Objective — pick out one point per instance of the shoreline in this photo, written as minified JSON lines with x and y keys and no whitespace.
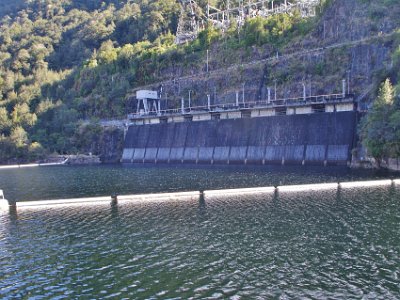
{"x":57,"y":161}
{"x":392,"y":165}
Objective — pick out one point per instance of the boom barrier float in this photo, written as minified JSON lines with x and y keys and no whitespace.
{"x":164,"y":197}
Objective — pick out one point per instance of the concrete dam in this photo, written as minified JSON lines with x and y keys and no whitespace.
{"x":323,"y":137}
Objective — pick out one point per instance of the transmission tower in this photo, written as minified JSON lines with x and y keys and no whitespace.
{"x":191,"y":20}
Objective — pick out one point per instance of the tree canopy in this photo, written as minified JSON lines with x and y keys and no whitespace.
{"x":51,"y":53}
{"x":380,"y":129}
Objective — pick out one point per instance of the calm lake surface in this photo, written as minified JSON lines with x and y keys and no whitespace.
{"x":332,"y":244}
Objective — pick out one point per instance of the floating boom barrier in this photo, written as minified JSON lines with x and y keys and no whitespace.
{"x":162,"y":197}
{"x":101,"y":200}
{"x":33,"y":165}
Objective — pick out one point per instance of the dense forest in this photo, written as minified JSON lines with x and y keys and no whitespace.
{"x":47,"y":55}
{"x":65,"y":64}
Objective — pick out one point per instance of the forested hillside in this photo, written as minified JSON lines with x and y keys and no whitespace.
{"x":64,"y":64}
{"x":46,"y":47}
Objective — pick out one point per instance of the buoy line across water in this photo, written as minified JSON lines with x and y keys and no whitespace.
{"x":160,"y":197}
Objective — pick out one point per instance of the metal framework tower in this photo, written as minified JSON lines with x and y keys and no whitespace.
{"x":262,"y":8}
{"x":190,"y":22}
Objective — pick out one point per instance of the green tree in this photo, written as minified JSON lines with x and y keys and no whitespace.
{"x":21,"y":61}
{"x":208,"y":36}
{"x":254,"y":31}
{"x":394,"y":141}
{"x":36,"y":151}
{"x":376,"y":131}
{"x":21,"y":115}
{"x":19,"y":137}
{"x":44,"y":106}
{"x":107,"y":53}
{"x":5,"y":122}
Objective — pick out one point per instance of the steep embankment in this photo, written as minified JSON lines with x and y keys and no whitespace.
{"x":352,"y":40}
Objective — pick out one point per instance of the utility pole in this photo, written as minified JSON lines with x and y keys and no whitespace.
{"x":190,"y":105}
{"x":243,"y":93}
{"x":207,"y":60}
{"x":344,"y":88}
{"x":348,"y":82}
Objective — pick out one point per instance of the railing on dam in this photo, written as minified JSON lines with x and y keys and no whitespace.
{"x":248,"y":105}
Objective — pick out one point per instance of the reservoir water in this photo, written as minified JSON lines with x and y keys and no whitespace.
{"x":330,"y":244}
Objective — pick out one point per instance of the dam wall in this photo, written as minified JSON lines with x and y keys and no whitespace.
{"x":318,"y":138}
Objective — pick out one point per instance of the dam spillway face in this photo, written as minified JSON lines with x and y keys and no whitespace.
{"x":324,"y":138}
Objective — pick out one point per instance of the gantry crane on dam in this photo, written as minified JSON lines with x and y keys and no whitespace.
{"x":192,"y":19}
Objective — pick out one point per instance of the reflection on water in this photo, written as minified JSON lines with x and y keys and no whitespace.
{"x":336,"y":244}
{"x":87,"y":181}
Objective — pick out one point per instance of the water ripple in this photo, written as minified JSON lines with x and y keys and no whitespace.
{"x":310,"y":245}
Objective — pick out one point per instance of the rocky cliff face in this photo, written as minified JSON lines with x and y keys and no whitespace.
{"x":104,"y":143}
{"x":111,"y":145}
{"x":356,"y":19}
{"x":351,"y":41}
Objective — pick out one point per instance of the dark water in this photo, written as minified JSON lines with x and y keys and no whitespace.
{"x":85,"y":181}
{"x":311,"y":245}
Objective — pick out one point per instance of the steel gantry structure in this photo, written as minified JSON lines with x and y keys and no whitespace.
{"x":192,"y":20}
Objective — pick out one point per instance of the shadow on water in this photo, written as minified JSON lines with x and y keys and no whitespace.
{"x":339,"y":194}
{"x":114,"y":212}
{"x":202,"y":208}
{"x":13,"y":215}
